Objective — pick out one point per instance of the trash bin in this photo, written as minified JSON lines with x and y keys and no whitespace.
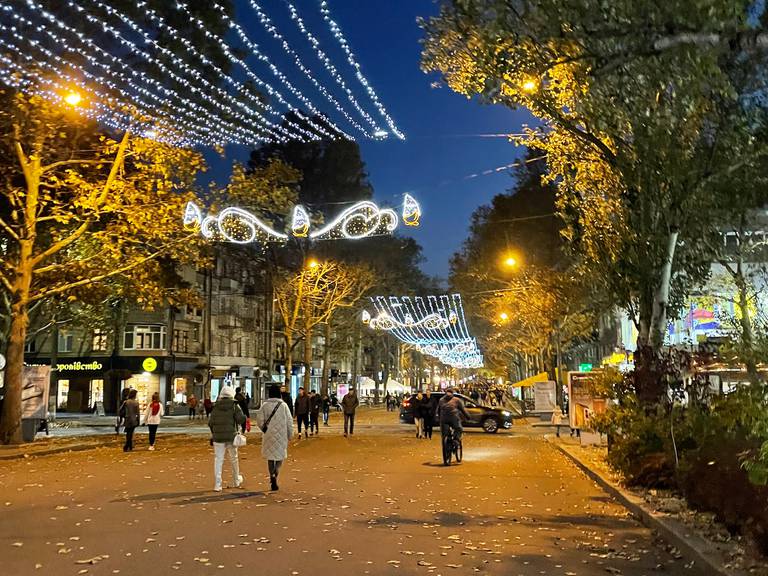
{"x":29,"y":427}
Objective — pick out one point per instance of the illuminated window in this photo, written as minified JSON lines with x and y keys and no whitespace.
{"x":100,"y":341}
{"x":144,"y":337}
{"x":66,"y":342}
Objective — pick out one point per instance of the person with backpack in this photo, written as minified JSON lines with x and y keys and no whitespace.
{"x":152,"y":416}
{"x":130,"y":414}
{"x":225,"y":421}
{"x":276,"y":424}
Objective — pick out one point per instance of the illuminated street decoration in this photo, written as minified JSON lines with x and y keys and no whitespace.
{"x":434,"y":325}
{"x":171,"y":91}
{"x":300,"y":222}
{"x":411,"y":211}
{"x":359,"y":221}
{"x":233,"y":224}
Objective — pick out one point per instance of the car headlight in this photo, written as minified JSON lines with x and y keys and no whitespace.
{"x":506,"y":413}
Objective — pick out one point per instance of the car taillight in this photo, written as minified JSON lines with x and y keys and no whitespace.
{"x":406,"y":403}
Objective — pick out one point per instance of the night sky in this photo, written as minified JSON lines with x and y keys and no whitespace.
{"x":440,"y":153}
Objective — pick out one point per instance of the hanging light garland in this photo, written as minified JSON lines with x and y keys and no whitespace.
{"x":434,"y":325}
{"x":339,"y":35}
{"x":183,"y":101}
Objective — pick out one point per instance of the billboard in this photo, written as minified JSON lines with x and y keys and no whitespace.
{"x":34,"y":394}
{"x":582,"y":406}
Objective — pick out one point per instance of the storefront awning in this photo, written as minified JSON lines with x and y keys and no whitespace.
{"x":530,"y":381}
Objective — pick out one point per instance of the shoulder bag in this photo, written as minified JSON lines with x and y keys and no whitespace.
{"x":266,"y":424}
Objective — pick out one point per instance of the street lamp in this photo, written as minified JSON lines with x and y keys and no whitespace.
{"x":504,"y":316}
{"x":530,"y":85}
{"x":73,"y":98}
{"x":510,"y":262}
{"x":312,"y":264}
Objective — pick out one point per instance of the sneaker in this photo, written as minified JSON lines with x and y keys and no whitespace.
{"x":239,"y":481}
{"x":217,"y":488}
{"x":151,"y":448}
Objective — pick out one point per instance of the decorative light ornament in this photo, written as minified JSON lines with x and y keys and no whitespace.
{"x":73,"y":98}
{"x":411,"y":211}
{"x":233,"y":225}
{"x":366,"y":317}
{"x":361,"y":220}
{"x":193,"y":216}
{"x":300,"y":222}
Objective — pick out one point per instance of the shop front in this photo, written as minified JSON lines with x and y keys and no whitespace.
{"x":80,"y":384}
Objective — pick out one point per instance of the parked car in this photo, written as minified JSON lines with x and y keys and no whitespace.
{"x":485,"y":417}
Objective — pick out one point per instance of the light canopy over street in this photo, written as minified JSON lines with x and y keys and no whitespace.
{"x":450,"y":286}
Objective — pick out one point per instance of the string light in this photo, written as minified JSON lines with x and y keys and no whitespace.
{"x":300,"y":222}
{"x":411,"y":211}
{"x":176,"y":101}
{"x":361,"y":220}
{"x":337,"y":33}
{"x":378,"y":132}
{"x":233,"y":225}
{"x":435,"y":325}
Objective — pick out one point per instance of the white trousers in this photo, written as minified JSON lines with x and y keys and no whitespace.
{"x":219,"y":448}
{"x":419,"y":427}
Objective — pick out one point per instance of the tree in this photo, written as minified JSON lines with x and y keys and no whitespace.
{"x":646,"y":112}
{"x":78,"y":209}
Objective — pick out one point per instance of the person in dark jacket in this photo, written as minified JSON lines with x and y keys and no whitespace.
{"x":314,"y":412}
{"x":285,"y":396}
{"x":120,"y":418}
{"x":130,"y":411}
{"x":226,"y":417}
{"x":450,"y":411}
{"x":326,"y":406}
{"x":242,"y":401}
{"x":349,"y":404}
{"x":429,"y":407}
{"x":301,"y":409}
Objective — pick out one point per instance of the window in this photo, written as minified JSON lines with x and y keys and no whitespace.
{"x":181,"y":340}
{"x":30,"y":346}
{"x":144,"y":337}
{"x":195,"y":334}
{"x":100,"y":341}
{"x":66,"y":342}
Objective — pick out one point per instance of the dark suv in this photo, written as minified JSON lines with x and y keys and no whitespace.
{"x":485,"y":417}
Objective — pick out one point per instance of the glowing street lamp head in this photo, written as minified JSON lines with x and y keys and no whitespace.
{"x":530,"y":85}
{"x":312,"y":264}
{"x":510,"y":262}
{"x":73,"y":98}
{"x":504,"y":316}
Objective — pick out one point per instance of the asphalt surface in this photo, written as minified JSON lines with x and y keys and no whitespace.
{"x":377,"y":503}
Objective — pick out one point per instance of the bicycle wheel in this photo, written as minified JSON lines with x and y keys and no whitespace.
{"x":458,"y":450}
{"x":447,"y":450}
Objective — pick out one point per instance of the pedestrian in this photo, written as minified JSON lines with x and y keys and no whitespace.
{"x":152,"y":418}
{"x":326,"y":402}
{"x":475,"y":395}
{"x":130,"y":411}
{"x":314,"y":412}
{"x":428,"y":414}
{"x":192,"y":405}
{"x":276,"y":424}
{"x":418,"y":414}
{"x":120,"y":412}
{"x":226,"y":418}
{"x":388,"y":401}
{"x":208,"y":406}
{"x":349,"y":404}
{"x":242,"y":401}
{"x":301,"y":409}
{"x":286,"y":397}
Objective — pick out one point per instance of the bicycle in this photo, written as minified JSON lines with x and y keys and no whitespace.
{"x":452,"y":447}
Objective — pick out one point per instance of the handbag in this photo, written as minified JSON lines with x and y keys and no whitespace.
{"x":266,"y":424}
{"x":239,"y":440}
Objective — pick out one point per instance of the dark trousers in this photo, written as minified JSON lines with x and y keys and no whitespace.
{"x":274,"y":467}
{"x":305,"y":419}
{"x":326,"y":413}
{"x":128,"y":438}
{"x":428,"y":424}
{"x":192,"y":412}
{"x":152,"y":433}
{"x":313,"y":422}
{"x":457,"y":429}
{"x":349,"y":423}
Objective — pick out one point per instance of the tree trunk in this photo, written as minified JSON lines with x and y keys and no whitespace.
{"x":658,"y":326}
{"x":356,"y":356}
{"x":288,"y":357}
{"x":745,"y":321}
{"x":326,"y":359}
{"x":308,"y":358}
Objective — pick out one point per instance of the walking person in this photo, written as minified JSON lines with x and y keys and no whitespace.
{"x":285,"y":396}
{"x":301,"y":409}
{"x":207,"y":406}
{"x":276,"y":424}
{"x":242,"y":401}
{"x":120,"y":412}
{"x":418,"y":414}
{"x":349,"y":404}
{"x":314,"y":412}
{"x":326,"y":405}
{"x":388,"y":401}
{"x":152,"y":416}
{"x":226,"y":418}
{"x":428,"y":413}
{"x":130,"y":410}
{"x":192,"y":405}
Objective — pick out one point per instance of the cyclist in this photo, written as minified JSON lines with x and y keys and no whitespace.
{"x":450,"y":409}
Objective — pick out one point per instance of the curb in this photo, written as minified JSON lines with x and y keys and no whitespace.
{"x":52,"y":450}
{"x":691,"y":545}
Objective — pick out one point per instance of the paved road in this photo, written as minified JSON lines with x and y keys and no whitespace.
{"x":376,"y":503}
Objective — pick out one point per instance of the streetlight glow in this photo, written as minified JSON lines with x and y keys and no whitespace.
{"x":510,"y":262}
{"x":530,"y":85}
{"x":73,"y":98}
{"x":312,"y":264}
{"x":504,"y":316}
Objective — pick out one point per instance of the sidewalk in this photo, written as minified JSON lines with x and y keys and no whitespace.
{"x":720,"y":559}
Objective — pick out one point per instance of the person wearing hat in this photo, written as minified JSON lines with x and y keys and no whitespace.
{"x":224,"y":422}
{"x":450,"y":411}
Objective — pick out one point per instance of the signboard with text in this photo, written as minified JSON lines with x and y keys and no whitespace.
{"x":544,"y":396}
{"x":582,"y":405}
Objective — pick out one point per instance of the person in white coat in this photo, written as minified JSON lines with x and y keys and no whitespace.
{"x":276,"y":424}
{"x":152,"y":418}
